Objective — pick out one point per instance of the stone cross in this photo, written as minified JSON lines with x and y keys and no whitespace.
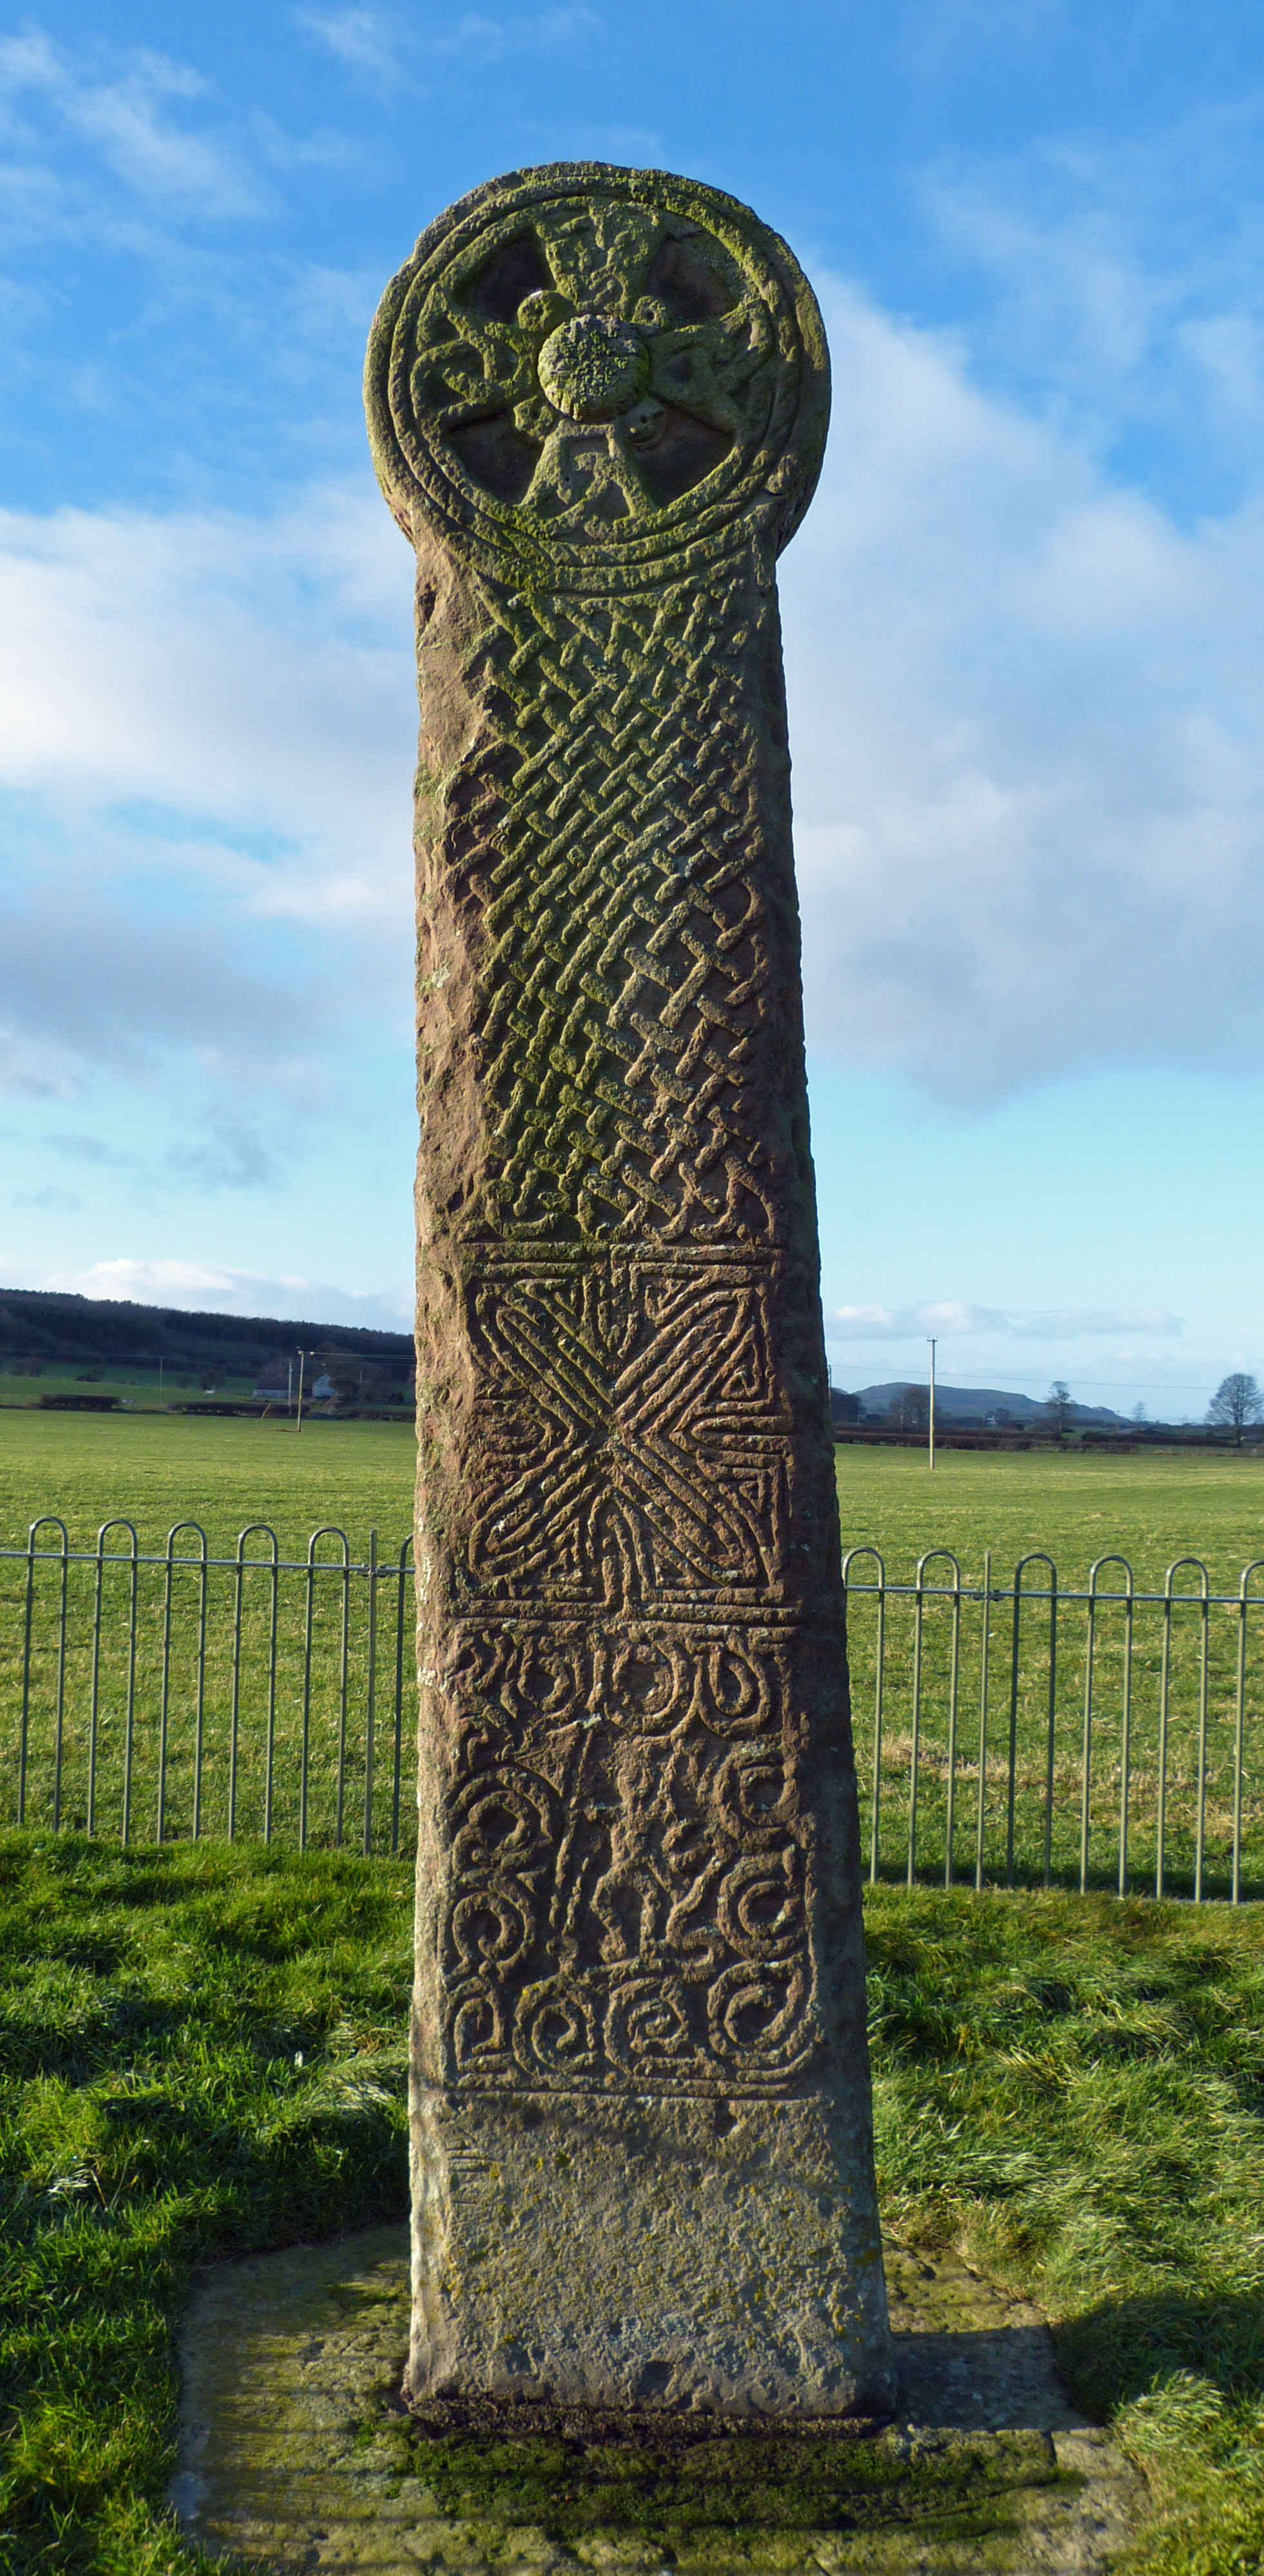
{"x":642,"y":2146}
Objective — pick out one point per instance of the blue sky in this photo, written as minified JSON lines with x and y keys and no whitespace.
{"x":1023,"y":634}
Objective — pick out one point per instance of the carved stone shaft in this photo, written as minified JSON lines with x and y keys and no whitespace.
{"x":641,"y":2120}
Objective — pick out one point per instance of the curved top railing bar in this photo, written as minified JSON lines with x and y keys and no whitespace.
{"x":47,"y":1520}
{"x":335,"y":1565}
{"x":1176,"y":1566}
{"x":123,"y":1556}
{"x":1093,"y":1594}
{"x":177,"y":1531}
{"x":257,"y":1529}
{"x":928,"y":1558}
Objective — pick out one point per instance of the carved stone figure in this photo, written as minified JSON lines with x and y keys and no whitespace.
{"x":641,"y":2121}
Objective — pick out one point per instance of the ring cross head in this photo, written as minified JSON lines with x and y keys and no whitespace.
{"x":583,"y":369}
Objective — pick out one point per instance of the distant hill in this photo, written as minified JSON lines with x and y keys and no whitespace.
{"x":973,"y":1404}
{"x":66,"y":1331}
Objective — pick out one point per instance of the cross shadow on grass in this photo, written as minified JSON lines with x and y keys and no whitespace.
{"x":1120,"y":2350}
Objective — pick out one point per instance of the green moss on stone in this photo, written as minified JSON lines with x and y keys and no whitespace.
{"x":938,"y":2485}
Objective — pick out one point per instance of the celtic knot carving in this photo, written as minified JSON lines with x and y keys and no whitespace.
{"x":632,"y":1020}
{"x":546,"y":1673}
{"x":597,"y":402}
{"x":662,"y":1935}
{"x":635,"y":1442}
{"x":591,"y":367}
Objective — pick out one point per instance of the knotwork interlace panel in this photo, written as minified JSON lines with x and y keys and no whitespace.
{"x":599,"y":417}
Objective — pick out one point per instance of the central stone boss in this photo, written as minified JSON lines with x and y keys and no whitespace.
{"x":642,"y":2150}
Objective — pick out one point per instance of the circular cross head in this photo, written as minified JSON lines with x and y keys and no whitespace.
{"x":593,"y":368}
{"x":584,"y":373}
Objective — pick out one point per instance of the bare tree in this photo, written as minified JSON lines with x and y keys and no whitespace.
{"x":1058,"y":1405}
{"x":354,"y":1380}
{"x":1236,"y":1402}
{"x":909,"y":1410}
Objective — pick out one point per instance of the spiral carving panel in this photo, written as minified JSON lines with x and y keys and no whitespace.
{"x":597,"y":402}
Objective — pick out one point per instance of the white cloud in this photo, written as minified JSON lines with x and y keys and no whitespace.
{"x":960,"y":1321}
{"x":490,"y":39}
{"x":1124,"y":275}
{"x":206,"y":736}
{"x":120,"y":106}
{"x":382,"y":51}
{"x":196,"y":1287}
{"x":1029,"y":768}
{"x":365,"y":40}
{"x":1029,"y":774}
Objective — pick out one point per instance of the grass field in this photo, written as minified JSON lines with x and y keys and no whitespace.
{"x":156,"y":1470}
{"x":1153,"y":1506}
{"x":202,"y":2052}
{"x":131,"y":1384}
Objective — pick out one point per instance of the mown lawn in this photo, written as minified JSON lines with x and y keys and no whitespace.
{"x":201,"y":2052}
{"x":159,"y":1468}
{"x":1152,"y":1505}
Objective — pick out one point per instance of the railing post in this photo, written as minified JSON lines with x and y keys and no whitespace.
{"x":1239,"y":1723}
{"x":1035,"y":1556}
{"x":314,"y":1567}
{"x":47,"y":1520}
{"x":1165,"y":1688}
{"x":60,"y":1720}
{"x":929,"y":1558}
{"x":399,"y":1698}
{"x":95,"y":1699}
{"x":1125,"y":1745}
{"x":371,"y":1695}
{"x":165,"y":1700}
{"x":879,"y":1662}
{"x":917,"y":1725}
{"x":983,"y":1720}
{"x":950,"y":1823}
{"x":1086,"y":1757}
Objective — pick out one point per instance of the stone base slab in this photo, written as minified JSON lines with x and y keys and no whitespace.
{"x":295,"y":2453}
{"x":699,"y":2256}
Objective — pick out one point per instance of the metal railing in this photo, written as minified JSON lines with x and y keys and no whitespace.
{"x":186,"y":1694}
{"x":1103,"y":1736}
{"x":1011,"y":1732}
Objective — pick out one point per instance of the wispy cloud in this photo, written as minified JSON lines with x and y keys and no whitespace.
{"x":124,"y":106}
{"x":192,"y":1285}
{"x":488,"y":39}
{"x":960,"y":1321}
{"x":1029,"y":778}
{"x":365,"y":40}
{"x":205,"y":744}
{"x":1124,"y":280}
{"x":382,"y":50}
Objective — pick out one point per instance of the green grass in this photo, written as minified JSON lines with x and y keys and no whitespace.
{"x":155,"y":1471}
{"x":1153,"y":1505}
{"x":132,"y":1385}
{"x":159,"y":1468}
{"x":156,"y":1468}
{"x":201,"y":2052}
{"x":1071,"y":2092}
{"x":1152,"y":1508}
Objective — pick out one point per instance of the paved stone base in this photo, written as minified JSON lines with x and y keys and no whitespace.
{"x":295,"y":2452}
{"x":640,"y":2253}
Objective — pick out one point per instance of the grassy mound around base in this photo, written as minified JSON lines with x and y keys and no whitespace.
{"x":1070,"y":2092}
{"x":202,"y":2052}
